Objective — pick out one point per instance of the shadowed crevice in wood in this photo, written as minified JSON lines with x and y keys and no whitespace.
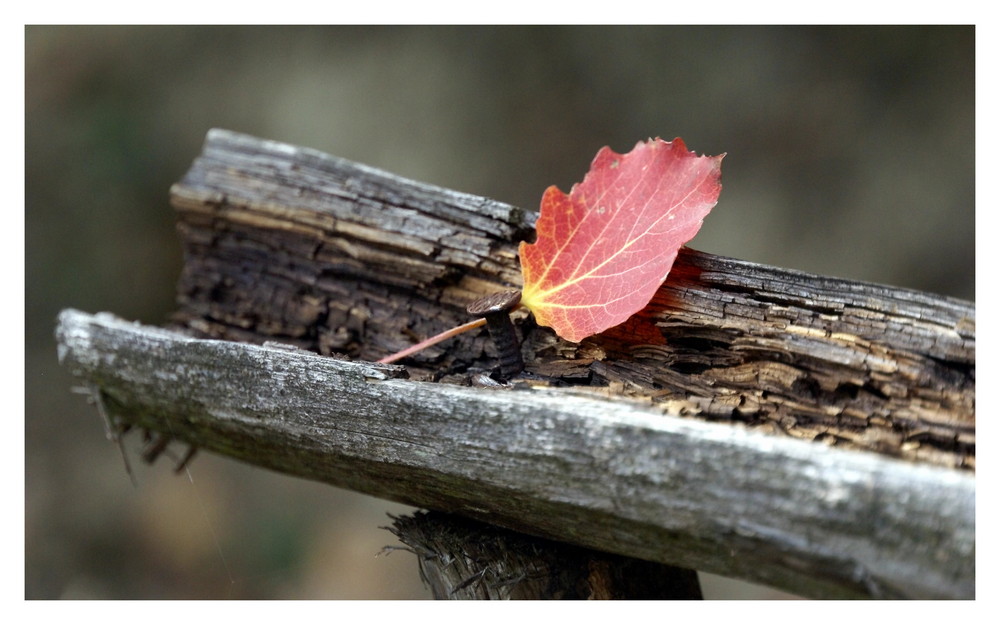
{"x":293,"y":245}
{"x":697,"y":434}
{"x":464,"y":559}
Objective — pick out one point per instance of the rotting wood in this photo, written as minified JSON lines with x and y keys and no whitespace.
{"x":610,"y":474}
{"x":290,"y":244}
{"x":464,"y":559}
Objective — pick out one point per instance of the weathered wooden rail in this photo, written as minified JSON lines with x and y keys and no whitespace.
{"x":813,"y":434}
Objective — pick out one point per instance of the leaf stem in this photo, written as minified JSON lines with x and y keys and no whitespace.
{"x":437,"y":338}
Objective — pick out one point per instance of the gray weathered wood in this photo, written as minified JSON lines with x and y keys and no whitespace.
{"x":610,"y":474}
{"x":290,"y":244}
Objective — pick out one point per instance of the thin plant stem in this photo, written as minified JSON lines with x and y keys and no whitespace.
{"x":437,"y":338}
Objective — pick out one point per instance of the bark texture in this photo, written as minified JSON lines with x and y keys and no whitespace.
{"x":805,"y":432}
{"x":290,"y":244}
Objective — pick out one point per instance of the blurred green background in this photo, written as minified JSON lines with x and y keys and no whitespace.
{"x":850,"y":153}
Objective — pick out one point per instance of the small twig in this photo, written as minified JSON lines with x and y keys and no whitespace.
{"x":112,"y":429}
{"x":153,"y":451}
{"x":192,"y":450}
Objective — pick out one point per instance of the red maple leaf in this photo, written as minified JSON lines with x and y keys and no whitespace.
{"x":603,"y":250}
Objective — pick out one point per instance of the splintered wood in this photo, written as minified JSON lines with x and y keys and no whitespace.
{"x":297,"y":246}
{"x":464,"y":559}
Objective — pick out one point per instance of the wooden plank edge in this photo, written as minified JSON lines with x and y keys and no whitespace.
{"x":608,"y":475}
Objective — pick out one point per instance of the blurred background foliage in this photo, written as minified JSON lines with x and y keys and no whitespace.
{"x":850,"y":153}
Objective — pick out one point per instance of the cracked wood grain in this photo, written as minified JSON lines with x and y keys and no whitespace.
{"x":806,"y":432}
{"x":288,"y":243}
{"x":610,"y":474}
